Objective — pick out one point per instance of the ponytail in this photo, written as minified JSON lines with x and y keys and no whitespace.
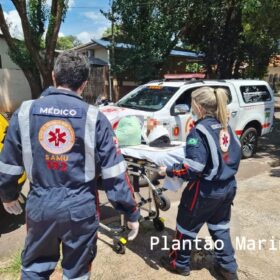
{"x":222,"y":112}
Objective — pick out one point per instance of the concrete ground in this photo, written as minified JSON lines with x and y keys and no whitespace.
{"x":255,"y":216}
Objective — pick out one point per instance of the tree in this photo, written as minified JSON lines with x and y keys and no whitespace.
{"x":214,"y":27}
{"x":261,"y":31}
{"x":67,"y":42}
{"x":151,"y":29}
{"x":36,"y":55}
{"x":233,"y":32}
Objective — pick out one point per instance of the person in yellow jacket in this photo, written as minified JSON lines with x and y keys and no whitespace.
{"x":9,"y":222}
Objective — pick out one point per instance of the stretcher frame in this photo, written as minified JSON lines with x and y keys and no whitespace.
{"x":155,"y":202}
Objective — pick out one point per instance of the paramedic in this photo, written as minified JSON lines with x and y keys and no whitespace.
{"x":212,"y":157}
{"x":63,"y":144}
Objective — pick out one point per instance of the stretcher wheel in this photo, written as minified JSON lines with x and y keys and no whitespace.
{"x":119,"y":245}
{"x":159,"y":224}
{"x":163,"y":202}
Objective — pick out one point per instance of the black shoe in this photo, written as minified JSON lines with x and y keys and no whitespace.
{"x":165,"y":262}
{"x":226,"y":275}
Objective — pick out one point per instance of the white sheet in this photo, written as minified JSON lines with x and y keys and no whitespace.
{"x":161,"y":157}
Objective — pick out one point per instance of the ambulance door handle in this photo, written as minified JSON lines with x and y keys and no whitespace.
{"x":233,"y":114}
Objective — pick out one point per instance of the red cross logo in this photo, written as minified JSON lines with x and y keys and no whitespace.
{"x":57,"y":137}
{"x":225,"y":140}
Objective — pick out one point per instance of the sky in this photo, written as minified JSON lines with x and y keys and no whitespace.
{"x":83,"y":19}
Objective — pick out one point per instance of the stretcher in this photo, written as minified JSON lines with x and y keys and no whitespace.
{"x":142,"y":163}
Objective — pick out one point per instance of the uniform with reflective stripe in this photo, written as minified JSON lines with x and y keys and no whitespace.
{"x":11,"y":163}
{"x":209,"y":193}
{"x":62,"y":201}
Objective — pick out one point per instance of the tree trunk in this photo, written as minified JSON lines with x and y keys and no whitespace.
{"x":34,"y":83}
{"x":47,"y":77}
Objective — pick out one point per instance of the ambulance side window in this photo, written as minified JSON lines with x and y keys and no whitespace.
{"x":186,"y":97}
{"x":253,"y":94}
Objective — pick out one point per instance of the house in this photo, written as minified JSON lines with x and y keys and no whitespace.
{"x":14,"y":87}
{"x":102,"y":83}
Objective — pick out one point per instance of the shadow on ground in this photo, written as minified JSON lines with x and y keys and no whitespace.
{"x":200,"y":258}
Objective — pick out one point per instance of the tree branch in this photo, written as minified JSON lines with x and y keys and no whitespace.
{"x":21,"y":9}
{"x":57,"y":10}
{"x":5,"y":30}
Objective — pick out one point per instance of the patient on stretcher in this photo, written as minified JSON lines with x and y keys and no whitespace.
{"x":151,"y":144}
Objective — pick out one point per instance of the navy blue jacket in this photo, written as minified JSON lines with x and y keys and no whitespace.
{"x":63,"y":144}
{"x":212,"y":156}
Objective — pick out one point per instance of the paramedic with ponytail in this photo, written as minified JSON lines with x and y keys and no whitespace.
{"x":212,"y":157}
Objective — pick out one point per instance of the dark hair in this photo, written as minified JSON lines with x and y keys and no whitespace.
{"x":71,"y":69}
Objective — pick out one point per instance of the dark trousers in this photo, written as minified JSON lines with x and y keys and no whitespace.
{"x":194,"y":210}
{"x":72,"y":231}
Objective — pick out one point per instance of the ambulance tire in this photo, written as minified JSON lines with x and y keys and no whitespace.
{"x":249,"y":141}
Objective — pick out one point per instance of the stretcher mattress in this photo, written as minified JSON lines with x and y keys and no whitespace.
{"x":160,"y":156}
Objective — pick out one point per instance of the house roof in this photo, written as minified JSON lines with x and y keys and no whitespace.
{"x":97,"y":61}
{"x":106,"y":44}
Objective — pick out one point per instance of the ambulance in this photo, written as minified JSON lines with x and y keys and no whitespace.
{"x":168,"y":102}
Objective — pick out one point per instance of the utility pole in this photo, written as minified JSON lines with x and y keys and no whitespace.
{"x":111,"y":55}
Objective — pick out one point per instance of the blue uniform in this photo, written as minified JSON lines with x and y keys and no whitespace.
{"x":63,"y":144}
{"x":212,"y":159}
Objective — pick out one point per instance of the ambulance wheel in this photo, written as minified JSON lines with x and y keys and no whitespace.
{"x":249,"y":141}
{"x":119,"y":247}
{"x":158,"y":224}
{"x":163,"y":203}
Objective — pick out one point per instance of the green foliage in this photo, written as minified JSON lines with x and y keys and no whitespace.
{"x":37,"y":14}
{"x":151,"y":28}
{"x":67,"y":42}
{"x":261,"y":31}
{"x":35,"y":55}
{"x":232,"y":32}
{"x":214,"y":27}
{"x":194,"y":67}
{"x":108,"y":31}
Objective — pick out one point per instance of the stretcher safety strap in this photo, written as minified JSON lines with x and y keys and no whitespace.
{"x":213,"y":150}
{"x":84,"y":277}
{"x":10,"y":169}
{"x":194,"y":164}
{"x":90,"y":143}
{"x":218,"y":226}
{"x":40,"y":267}
{"x":114,"y":171}
{"x":24,"y":126}
{"x":186,"y":232}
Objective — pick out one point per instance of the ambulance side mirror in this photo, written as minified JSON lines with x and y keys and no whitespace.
{"x":180,"y":109}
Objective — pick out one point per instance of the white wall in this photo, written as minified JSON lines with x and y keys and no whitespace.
{"x":6,"y":60}
{"x":14,"y":89}
{"x":101,"y":53}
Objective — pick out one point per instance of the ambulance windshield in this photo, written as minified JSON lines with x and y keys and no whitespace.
{"x":148,"y":98}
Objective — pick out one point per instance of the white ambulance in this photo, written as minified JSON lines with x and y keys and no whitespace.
{"x":251,"y":107}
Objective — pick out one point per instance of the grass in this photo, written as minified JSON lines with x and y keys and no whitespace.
{"x":11,"y":270}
